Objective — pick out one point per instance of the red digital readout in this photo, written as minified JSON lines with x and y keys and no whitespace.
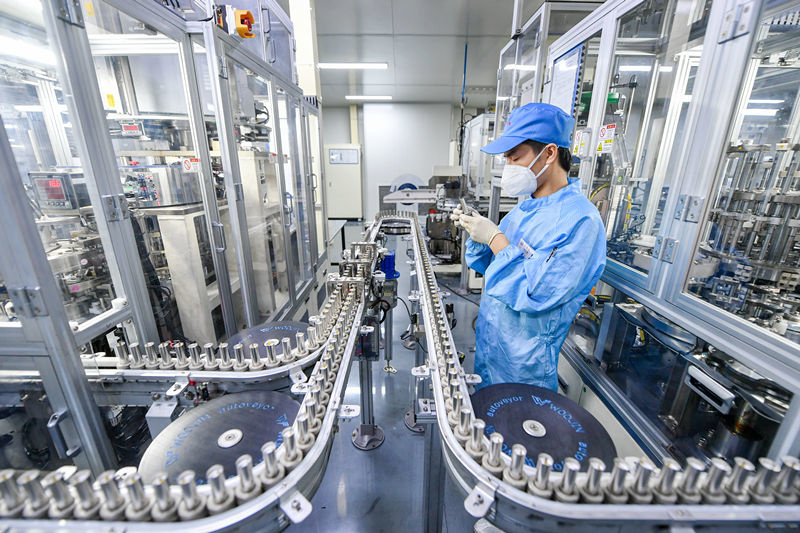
{"x":50,"y":189}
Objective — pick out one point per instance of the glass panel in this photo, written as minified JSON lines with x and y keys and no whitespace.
{"x":664,"y":371}
{"x":747,"y":260}
{"x":652,"y":77}
{"x":299,"y":245}
{"x":527,"y":65}
{"x":302,"y":196}
{"x":39,"y":129}
{"x":506,"y":96}
{"x":139,"y":74}
{"x":586,"y":71}
{"x":258,"y":165}
{"x":314,"y":152}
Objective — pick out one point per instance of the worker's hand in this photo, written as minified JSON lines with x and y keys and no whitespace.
{"x":457,"y":212}
{"x":480,"y":228}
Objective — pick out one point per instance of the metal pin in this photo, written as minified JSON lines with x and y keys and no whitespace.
{"x":716,"y":474}
{"x":224,"y":354}
{"x":287,"y":350}
{"x":593,"y":475}
{"x":790,"y":467}
{"x":767,"y":471}
{"x":463,"y":421}
{"x":311,"y":408}
{"x":270,"y":461}
{"x":111,"y":492}
{"x":316,"y":392}
{"x":476,"y":435}
{"x":208,"y":350}
{"x":59,"y":492}
{"x":518,"y":453}
{"x":136,"y":355}
{"x":618,"y":474}
{"x":568,"y":475}
{"x":255,"y":355}
{"x":691,"y":475}
{"x":180,"y":354}
{"x":454,"y":387}
{"x":34,"y":494}
{"x":666,"y":483}
{"x":641,"y":476}
{"x":544,"y":465}
{"x":238,"y":354}
{"x":313,"y":344}
{"x":166,"y":357}
{"x":194,"y":355}
{"x":9,"y":491}
{"x":289,"y":444}
{"x":188,"y":484}
{"x":160,"y":486}
{"x":495,"y":449}
{"x":458,"y":400}
{"x":742,"y":469}
{"x":325,"y":372}
{"x":244,"y":469}
{"x":216,"y":480}
{"x":81,"y":482}
{"x":133,"y":484}
{"x":272,"y":356}
{"x":302,"y":428}
{"x":121,"y":351}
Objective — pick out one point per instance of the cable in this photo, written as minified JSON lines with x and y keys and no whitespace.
{"x":406,"y":306}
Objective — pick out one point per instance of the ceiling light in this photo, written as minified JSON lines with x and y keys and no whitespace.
{"x":366,"y":97}
{"x":761,"y":112}
{"x":765,"y":101}
{"x":634,"y":68}
{"x":524,"y":68}
{"x":353,"y":66}
{"x":665,"y":69}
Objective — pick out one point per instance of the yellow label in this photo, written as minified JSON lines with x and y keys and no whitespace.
{"x":110,"y":100}
{"x":89,"y":9}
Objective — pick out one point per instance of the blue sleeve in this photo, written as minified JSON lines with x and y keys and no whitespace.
{"x":478,"y":256}
{"x":565,"y":267}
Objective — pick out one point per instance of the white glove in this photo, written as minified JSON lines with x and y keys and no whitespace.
{"x":480,"y":228}
{"x":455,"y":217}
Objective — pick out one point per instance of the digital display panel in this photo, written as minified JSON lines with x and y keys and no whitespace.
{"x":50,"y":189}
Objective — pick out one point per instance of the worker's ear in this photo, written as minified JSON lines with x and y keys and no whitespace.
{"x":552,"y":153}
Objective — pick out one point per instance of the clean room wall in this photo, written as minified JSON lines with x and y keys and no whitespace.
{"x":335,"y":125}
{"x":402,"y":139}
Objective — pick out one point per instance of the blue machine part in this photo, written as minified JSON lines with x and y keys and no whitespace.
{"x":387,"y":266}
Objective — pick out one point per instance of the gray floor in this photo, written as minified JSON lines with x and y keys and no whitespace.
{"x":381,"y":490}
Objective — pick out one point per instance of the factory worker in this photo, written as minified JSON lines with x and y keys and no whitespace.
{"x":541,"y":263}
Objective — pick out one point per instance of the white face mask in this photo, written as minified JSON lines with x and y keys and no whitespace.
{"x":519,"y":180}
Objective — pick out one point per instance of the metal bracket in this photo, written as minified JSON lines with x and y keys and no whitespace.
{"x":736,"y":21}
{"x":669,"y":249}
{"x":28,"y":301}
{"x":657,"y":247}
{"x":297,"y":375}
{"x":421,"y":371}
{"x":472,"y":379}
{"x":479,"y":500}
{"x":427,"y":408}
{"x":70,"y":11}
{"x":176,"y":389}
{"x":223,"y":68}
{"x":694,"y":208}
{"x":115,"y":206}
{"x":348,"y":411}
{"x":679,"y":207}
{"x":296,"y":507}
{"x":299,"y":389}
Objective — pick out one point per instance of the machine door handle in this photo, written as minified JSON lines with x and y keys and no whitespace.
{"x":287,"y":206}
{"x":54,"y":428}
{"x":219,"y":242}
{"x":313,"y":188}
{"x":710,"y":390}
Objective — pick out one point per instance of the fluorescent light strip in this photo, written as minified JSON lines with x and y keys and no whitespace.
{"x":765,"y":101}
{"x":353,"y":66}
{"x":522,"y":68}
{"x":366,"y":97}
{"x":761,"y":112}
{"x":635,"y":68}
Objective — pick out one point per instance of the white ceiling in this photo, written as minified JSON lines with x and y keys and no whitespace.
{"x":421,"y":40}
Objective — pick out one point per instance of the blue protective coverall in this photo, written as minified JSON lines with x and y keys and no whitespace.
{"x":535,"y":286}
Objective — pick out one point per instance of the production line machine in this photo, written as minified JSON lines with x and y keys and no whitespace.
{"x":275,"y":476}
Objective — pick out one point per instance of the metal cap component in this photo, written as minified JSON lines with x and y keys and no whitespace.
{"x":454,"y":387}
{"x":289,"y":444}
{"x":121,"y":351}
{"x":593,"y":475}
{"x":495,"y":449}
{"x":518,"y":453}
{"x":288,"y":357}
{"x":163,"y":352}
{"x":35,"y":497}
{"x":616,"y":485}
{"x":571,"y":468}
{"x":9,"y":491}
{"x":691,"y":475}
{"x":476,"y":435}
{"x":82,"y":484}
{"x":244,"y":470}
{"x":111,"y":494}
{"x":164,"y":499}
{"x":464,"y":420}
{"x":224,"y":353}
{"x":188,"y":484}
{"x":59,"y":492}
{"x":301,"y":423}
{"x":194,"y":356}
{"x":666,"y":482}
{"x":273,"y":470}
{"x":151,"y":355}
{"x":544,"y":465}
{"x":790,"y":468}
{"x":272,"y":354}
{"x":742,"y":470}
{"x":137,"y":361}
{"x":208,"y":350}
{"x":216,"y":480}
{"x":767,"y":472}
{"x":136,"y":494}
{"x":641,"y":476}
{"x":716,"y":475}
{"x":255,"y":356}
{"x":180,"y":354}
